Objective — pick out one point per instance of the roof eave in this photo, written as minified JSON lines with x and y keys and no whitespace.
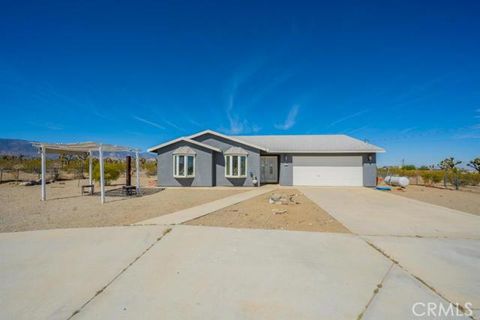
{"x":228,"y":138}
{"x":186,"y":139}
{"x":327,"y":151}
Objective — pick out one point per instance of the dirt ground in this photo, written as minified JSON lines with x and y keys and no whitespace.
{"x":257,"y":213}
{"x":459,"y":200}
{"x":22,"y":210}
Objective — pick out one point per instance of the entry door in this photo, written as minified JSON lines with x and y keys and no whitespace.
{"x":268,"y":169}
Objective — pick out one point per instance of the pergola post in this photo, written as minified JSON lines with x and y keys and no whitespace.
{"x":44,"y":169}
{"x":102,"y":175}
{"x":137,"y":166}
{"x":90,"y":161}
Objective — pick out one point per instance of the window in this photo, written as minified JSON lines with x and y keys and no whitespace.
{"x":235,"y":166}
{"x":183,"y":166}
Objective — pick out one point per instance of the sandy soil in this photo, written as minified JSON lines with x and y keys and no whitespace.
{"x":21,"y":208}
{"x":459,"y":200}
{"x":257,"y":213}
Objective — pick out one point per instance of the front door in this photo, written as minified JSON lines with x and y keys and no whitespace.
{"x":268,"y":169}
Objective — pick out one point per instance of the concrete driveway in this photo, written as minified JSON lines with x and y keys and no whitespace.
{"x":195,"y":272}
{"x":436,"y":245}
{"x":371,"y":212}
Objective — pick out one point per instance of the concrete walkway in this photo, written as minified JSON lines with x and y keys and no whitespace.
{"x":203,"y":209}
{"x":371,"y":212}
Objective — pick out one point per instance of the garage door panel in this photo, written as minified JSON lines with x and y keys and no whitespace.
{"x":328,"y":161}
{"x":327,"y":176}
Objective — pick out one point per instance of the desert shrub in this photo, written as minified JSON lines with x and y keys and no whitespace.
{"x":426,"y":177}
{"x":408,"y":173}
{"x":409,"y":167}
{"x":32,"y":165}
{"x":475,"y":179}
{"x":455,"y":178}
{"x":382,"y":172}
{"x":120,"y":166}
{"x":436,"y":176}
{"x":112,"y":172}
{"x":150,"y":168}
{"x":471,"y":178}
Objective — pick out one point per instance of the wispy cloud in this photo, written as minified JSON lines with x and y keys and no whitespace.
{"x":467,"y":136}
{"x":290,"y":120}
{"x":195,"y":123}
{"x":407,"y":130}
{"x":357,"y":129}
{"x":153,"y":124}
{"x":238,"y":125}
{"x":173,"y":125}
{"x":348,"y":117}
{"x":46,"y":125}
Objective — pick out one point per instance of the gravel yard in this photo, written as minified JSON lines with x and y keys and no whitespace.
{"x":297,"y":213}
{"x":22,"y":210}
{"x":466,"y":201}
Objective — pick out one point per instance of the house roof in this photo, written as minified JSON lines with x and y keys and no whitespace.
{"x":231,"y":138}
{"x":186,"y":139}
{"x":311,"y":143}
{"x":288,"y":143}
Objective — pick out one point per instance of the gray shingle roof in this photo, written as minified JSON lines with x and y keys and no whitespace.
{"x":311,"y":143}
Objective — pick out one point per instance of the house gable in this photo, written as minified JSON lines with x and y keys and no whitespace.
{"x":221,"y":137}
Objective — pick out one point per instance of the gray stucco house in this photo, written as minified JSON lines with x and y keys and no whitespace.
{"x":209,"y":158}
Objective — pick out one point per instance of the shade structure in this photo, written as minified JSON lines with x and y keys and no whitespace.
{"x":85,"y":148}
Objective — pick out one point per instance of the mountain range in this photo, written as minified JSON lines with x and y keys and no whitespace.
{"x":17,"y":147}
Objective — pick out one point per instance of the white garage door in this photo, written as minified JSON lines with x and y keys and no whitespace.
{"x":327,"y":171}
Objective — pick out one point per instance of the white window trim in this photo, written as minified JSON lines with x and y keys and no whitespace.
{"x":230,"y":174}
{"x":176,"y":166}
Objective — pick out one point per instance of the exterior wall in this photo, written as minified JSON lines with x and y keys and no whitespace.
{"x":203,"y":167}
{"x":286,"y":170}
{"x":253,"y":161}
{"x":370,"y":170}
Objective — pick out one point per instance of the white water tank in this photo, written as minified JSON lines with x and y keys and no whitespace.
{"x":397,"y":181}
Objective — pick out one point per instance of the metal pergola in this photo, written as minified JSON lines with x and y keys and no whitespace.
{"x":83,"y":148}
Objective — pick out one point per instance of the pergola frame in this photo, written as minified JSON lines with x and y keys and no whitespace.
{"x":85,"y":148}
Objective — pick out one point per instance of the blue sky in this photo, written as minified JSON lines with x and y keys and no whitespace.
{"x":403,"y":75}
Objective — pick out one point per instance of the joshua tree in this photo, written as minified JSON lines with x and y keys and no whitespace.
{"x":475,"y":164}
{"x":449,"y":164}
